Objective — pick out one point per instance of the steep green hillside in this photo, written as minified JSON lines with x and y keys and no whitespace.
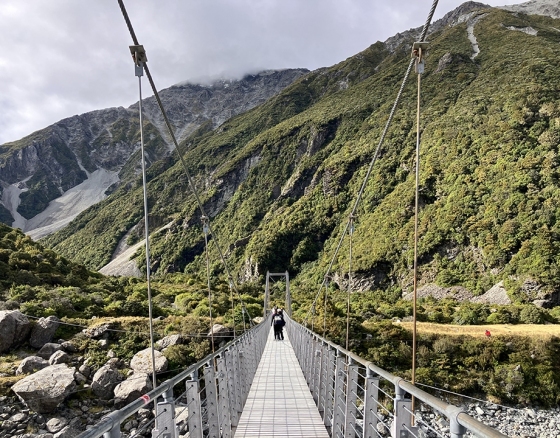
{"x":278,"y":181}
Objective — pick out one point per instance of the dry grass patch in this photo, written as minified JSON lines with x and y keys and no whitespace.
{"x":543,"y":331}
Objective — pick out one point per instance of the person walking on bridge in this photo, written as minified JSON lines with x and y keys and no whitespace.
{"x":278,"y":323}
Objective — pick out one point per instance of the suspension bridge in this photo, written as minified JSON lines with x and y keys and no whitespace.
{"x":304,"y":386}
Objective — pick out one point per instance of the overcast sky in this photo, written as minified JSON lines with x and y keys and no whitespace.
{"x":59,"y":58}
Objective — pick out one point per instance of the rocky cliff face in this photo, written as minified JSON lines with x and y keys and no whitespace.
{"x":71,"y":154}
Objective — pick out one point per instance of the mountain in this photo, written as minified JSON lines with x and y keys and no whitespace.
{"x":52,"y":175}
{"x":278,"y":180}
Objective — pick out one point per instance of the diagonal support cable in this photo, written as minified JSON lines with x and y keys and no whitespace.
{"x":374,"y":159}
{"x":183,"y":163}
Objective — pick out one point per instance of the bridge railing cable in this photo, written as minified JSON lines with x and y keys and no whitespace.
{"x":358,"y":399}
{"x":215,"y":391}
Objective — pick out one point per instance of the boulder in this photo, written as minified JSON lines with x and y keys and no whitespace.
{"x":59,"y":357}
{"x":48,"y":350}
{"x":142,"y":362}
{"x":31,"y":364}
{"x":85,"y":370}
{"x":14,"y":329}
{"x":98,"y":332}
{"x":131,"y":389}
{"x":43,"y":391}
{"x":219,"y":330}
{"x":104,"y":381}
{"x":168,"y":341}
{"x":68,"y":346}
{"x":67,"y":432}
{"x":56,"y":424}
{"x":43,"y":331}
{"x":497,"y":294}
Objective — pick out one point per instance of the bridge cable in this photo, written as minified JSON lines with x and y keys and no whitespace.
{"x":205,"y":230}
{"x":376,"y":153}
{"x":182,"y":159}
{"x":350,"y":232}
{"x":139,"y":57}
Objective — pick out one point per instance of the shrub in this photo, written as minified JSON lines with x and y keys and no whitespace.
{"x":531,"y":314}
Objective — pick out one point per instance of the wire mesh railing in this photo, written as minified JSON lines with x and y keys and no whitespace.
{"x":357,"y":399}
{"x":210,"y":405}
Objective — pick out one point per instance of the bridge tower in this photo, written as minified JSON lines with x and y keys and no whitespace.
{"x":288,"y":306}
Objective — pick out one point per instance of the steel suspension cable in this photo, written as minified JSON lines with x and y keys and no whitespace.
{"x":377,"y":150}
{"x":205,"y":230}
{"x":139,"y":71}
{"x":181,"y":158}
{"x":351,"y":232}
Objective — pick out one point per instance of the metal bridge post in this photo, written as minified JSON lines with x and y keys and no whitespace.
{"x":370,"y":404}
{"x":165,"y":417}
{"x":317,"y":367}
{"x":402,"y":418}
{"x":322,"y":380}
{"x":456,"y":430}
{"x":237,"y":377}
{"x":307,"y":359}
{"x":234,"y":413}
{"x":194,"y":418}
{"x":339,"y":399}
{"x":329,"y":388}
{"x":211,"y":400}
{"x":351,"y":399}
{"x":223,"y":399}
{"x":243,"y":378}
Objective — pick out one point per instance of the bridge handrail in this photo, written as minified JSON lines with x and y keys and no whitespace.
{"x":459,"y":420}
{"x":109,"y":425}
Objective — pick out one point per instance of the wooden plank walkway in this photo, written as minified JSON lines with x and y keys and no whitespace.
{"x":279,"y":403}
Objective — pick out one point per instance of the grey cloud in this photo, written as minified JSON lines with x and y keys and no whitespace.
{"x":64,"y":57}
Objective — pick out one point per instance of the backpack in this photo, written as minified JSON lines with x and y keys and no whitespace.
{"x":278,"y":320}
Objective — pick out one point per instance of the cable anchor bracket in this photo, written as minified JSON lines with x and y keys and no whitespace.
{"x":418,"y":50}
{"x":139,"y":57}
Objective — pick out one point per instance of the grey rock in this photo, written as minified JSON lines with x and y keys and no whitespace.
{"x":43,"y":331}
{"x":219,"y":330}
{"x":85,"y":370}
{"x":142,"y":362}
{"x":98,"y":332}
{"x":59,"y":357}
{"x":103,"y":343}
{"x":68,"y":346}
{"x":67,"y":432}
{"x":46,"y":389}
{"x":132,"y":388}
{"x":168,"y":341}
{"x":31,"y":364}
{"x":104,"y":382}
{"x":48,"y":350}
{"x":80,"y":378}
{"x":14,"y":329}
{"x":19,"y":418}
{"x":56,"y":424}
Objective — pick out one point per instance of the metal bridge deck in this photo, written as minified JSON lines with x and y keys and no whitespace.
{"x":279,"y":403}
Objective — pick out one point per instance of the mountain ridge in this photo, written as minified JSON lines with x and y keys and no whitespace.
{"x":41,"y":167}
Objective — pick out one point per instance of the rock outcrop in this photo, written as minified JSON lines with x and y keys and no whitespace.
{"x":14,"y":329}
{"x":31,"y":364}
{"x":43,"y":331}
{"x":142,"y":362}
{"x":46,"y":389}
{"x":132,"y":388}
{"x":104,"y":381}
